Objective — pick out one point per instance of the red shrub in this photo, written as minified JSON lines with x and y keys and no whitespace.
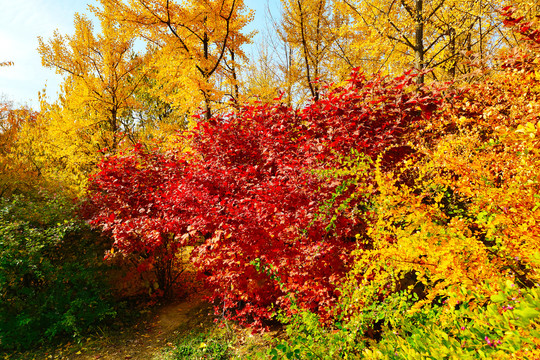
{"x":253,"y":184}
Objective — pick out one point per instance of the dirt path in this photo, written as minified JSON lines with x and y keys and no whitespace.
{"x":145,"y":340}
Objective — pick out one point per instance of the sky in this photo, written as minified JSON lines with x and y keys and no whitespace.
{"x":21,"y":22}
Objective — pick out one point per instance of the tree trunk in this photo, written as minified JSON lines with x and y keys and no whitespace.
{"x":206,"y":75}
{"x":207,"y":105}
{"x":453,"y":53}
{"x":419,"y":36}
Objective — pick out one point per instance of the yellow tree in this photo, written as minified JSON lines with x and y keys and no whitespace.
{"x":425,"y":33}
{"x":262,"y":83}
{"x":194,"y":39}
{"x":104,"y":72}
{"x":306,"y":27}
{"x":296,"y":55}
{"x":317,"y":50}
{"x":157,"y":120}
{"x":314,"y":46}
{"x":95,"y":107}
{"x":275,"y":72}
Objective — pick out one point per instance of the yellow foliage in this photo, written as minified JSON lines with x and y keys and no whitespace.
{"x":195,"y":45}
{"x":18,"y":172}
{"x":310,"y":28}
{"x":469,"y":219}
{"x":446,"y":35}
{"x":94,"y":111}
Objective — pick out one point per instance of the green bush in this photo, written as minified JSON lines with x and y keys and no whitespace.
{"x":308,"y":339}
{"x":506,"y":326}
{"x":51,"y":273}
{"x":197,"y":346}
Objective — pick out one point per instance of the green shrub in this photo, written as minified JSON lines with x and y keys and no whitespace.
{"x":195,"y":346}
{"x":506,"y":326}
{"x":51,"y":273}
{"x":308,"y":339}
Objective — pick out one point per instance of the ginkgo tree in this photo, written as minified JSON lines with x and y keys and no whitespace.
{"x":426,"y":33}
{"x":95,"y":107}
{"x":195,"y":39}
{"x":102,"y":71}
{"x":309,"y":29}
{"x":311,"y":49}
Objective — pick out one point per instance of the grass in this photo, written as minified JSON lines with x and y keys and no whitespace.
{"x":202,"y":338}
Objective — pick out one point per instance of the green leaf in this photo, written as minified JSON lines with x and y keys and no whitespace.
{"x":497,"y":298}
{"x":527,"y":313}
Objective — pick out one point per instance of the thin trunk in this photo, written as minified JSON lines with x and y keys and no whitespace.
{"x":468,"y":41}
{"x":305,"y":51}
{"x":481,"y":35}
{"x":114,"y":128}
{"x":419,"y":36}
{"x":452,"y":70}
{"x":207,"y":105}
{"x":236,"y":92}
{"x":206,"y":75}
{"x":318,"y":41}
{"x":288,"y":61}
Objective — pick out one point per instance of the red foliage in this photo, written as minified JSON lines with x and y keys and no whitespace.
{"x":522,"y":59}
{"x":275,"y":225}
{"x":131,"y":200}
{"x":525,"y":28}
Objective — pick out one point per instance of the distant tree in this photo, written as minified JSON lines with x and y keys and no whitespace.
{"x":307,"y":26}
{"x":18,"y":170}
{"x":427,"y":33}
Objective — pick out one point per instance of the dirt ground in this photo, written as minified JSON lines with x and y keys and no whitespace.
{"x":154,"y":330}
{"x":147,"y":338}
{"x":151,"y":333}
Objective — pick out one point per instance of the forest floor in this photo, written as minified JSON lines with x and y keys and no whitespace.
{"x":180,"y":329}
{"x":184,"y":327}
{"x":149,"y":337}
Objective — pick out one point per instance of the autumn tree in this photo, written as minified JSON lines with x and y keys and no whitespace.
{"x":276,"y":71}
{"x":426,"y":33}
{"x":303,"y":50}
{"x":156,"y":119}
{"x":307,"y":26}
{"x":95,"y":107}
{"x":133,"y":202}
{"x":196,"y":41}
{"x":18,"y":170}
{"x":262,"y":84}
{"x":103,"y":72}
